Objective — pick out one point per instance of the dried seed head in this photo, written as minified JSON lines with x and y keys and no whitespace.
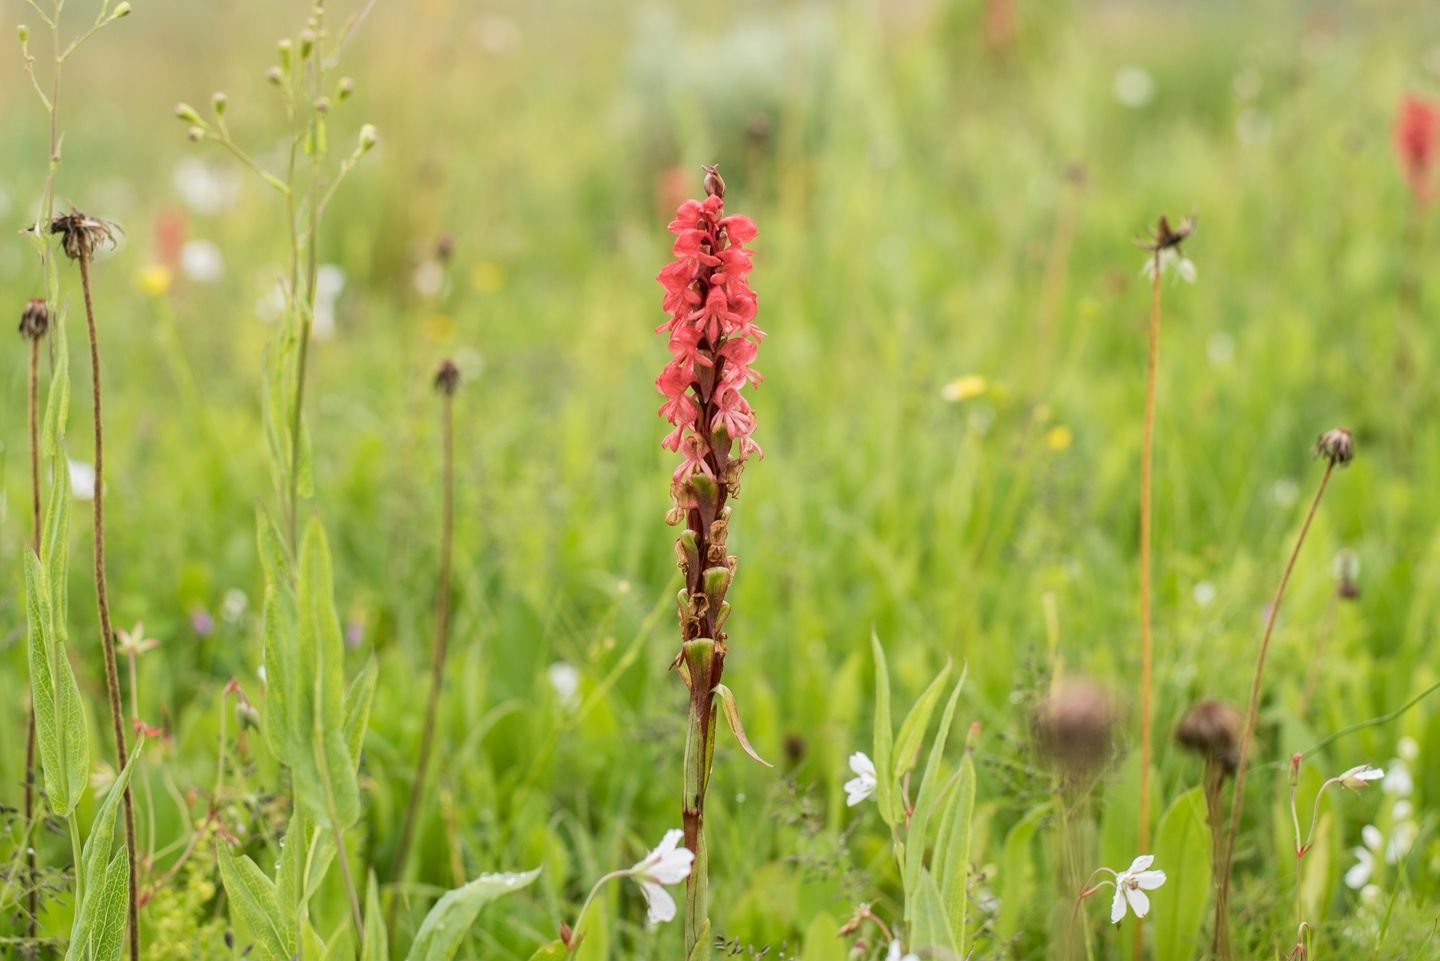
{"x":1210,"y":728}
{"x":1336,"y":446}
{"x":1075,"y":727}
{"x":81,"y":235}
{"x":714,"y":183}
{"x":1165,"y":237}
{"x":447,"y":378}
{"x":34,"y":319}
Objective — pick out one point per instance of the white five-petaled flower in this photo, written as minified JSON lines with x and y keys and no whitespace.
{"x":897,"y":953}
{"x":862,"y":786}
{"x":1172,"y":260}
{"x":1357,"y":777}
{"x":1131,"y":885}
{"x":667,"y":864}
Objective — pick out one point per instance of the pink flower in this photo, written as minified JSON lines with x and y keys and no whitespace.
{"x":1417,"y":130}
{"x":712,"y":336}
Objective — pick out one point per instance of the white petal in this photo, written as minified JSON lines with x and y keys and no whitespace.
{"x":1149,"y":880}
{"x":1117,"y":907}
{"x":1185,"y":267}
{"x":1140,"y":864}
{"x":862,"y":765}
{"x":674,"y":867}
{"x":1139,"y":902}
{"x":1372,"y":837}
{"x":895,"y":951}
{"x":1356,"y":877}
{"x":660,"y":905}
{"x":858,"y":790}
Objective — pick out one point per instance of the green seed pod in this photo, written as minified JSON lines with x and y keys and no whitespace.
{"x":344,"y":88}
{"x":188,"y":114}
{"x":283,"y":50}
{"x":23,"y":32}
{"x":123,"y":10}
{"x":218,"y":101}
{"x":369,"y":137}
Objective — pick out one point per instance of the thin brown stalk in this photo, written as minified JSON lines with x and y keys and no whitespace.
{"x":1147,"y":471}
{"x":442,"y":634}
{"x":1237,"y":802}
{"x":32,"y":900}
{"x":102,"y":596}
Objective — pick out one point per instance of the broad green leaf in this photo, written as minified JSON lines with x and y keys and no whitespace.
{"x":1017,"y":873}
{"x":377,"y":939}
{"x":930,"y":931}
{"x":94,"y":926}
{"x":60,"y":727}
{"x":357,"y":707}
{"x":954,"y":856}
{"x":931,"y":790}
{"x":916,"y":723}
{"x":1182,"y":851}
{"x":282,"y":660}
{"x":255,"y":906}
{"x":445,"y":927}
{"x":1120,"y":815}
{"x":112,"y":909}
{"x":823,"y":941}
{"x":884,"y":736}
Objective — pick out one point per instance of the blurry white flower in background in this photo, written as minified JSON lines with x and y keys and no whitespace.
{"x":565,"y":682}
{"x":429,"y":278}
{"x":1204,"y":593}
{"x":233,"y":605}
{"x":1220,"y":348}
{"x":862,"y":786}
{"x":897,"y":953}
{"x":82,"y":480}
{"x":329,"y":282}
{"x":203,"y":188}
{"x":201,"y":261}
{"x":1285,"y":491}
{"x":1133,"y":86}
{"x":1172,"y":261}
{"x":1359,"y":875}
{"x":271,"y":304}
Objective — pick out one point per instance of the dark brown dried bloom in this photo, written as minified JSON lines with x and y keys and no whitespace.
{"x":1165,"y":236}
{"x":714,"y":183}
{"x":447,"y":378}
{"x":1211,"y":728}
{"x":1336,"y":446}
{"x":34,"y":319}
{"x":82,"y":235}
{"x":1075,"y":726}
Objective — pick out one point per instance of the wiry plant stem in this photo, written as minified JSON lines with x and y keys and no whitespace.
{"x":32,"y":900}
{"x":442,"y":635}
{"x":102,"y":596}
{"x":1147,"y":471}
{"x":1221,"y":943}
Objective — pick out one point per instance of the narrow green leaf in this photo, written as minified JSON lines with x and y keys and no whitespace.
{"x":112,"y":909}
{"x":732,"y":717}
{"x":913,"y":728}
{"x":60,"y":727}
{"x":701,"y":951}
{"x":94,"y":918}
{"x":322,"y":655}
{"x":1017,"y":874}
{"x":445,"y":927}
{"x":377,"y":939}
{"x":1182,"y":851}
{"x":823,"y":941}
{"x":931,"y":789}
{"x":930,"y":932}
{"x":357,"y":706}
{"x":884,"y":736}
{"x":954,"y":857}
{"x":255,"y":906}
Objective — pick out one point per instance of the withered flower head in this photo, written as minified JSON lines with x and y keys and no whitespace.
{"x":1211,"y":728}
{"x":1075,"y":726}
{"x":714,"y":183}
{"x":1165,"y":237}
{"x":81,"y":235}
{"x":447,"y":378}
{"x":1347,"y":575}
{"x":1336,"y":446}
{"x":34,"y":319}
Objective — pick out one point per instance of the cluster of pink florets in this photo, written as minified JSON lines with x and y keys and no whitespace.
{"x":713,"y":337}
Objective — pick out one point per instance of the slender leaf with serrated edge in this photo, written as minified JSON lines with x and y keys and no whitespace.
{"x":1182,"y":851}
{"x":931,"y":789}
{"x":60,"y":728}
{"x":255,"y":905}
{"x":732,"y":717}
{"x":884,"y":736}
{"x":445,"y":927}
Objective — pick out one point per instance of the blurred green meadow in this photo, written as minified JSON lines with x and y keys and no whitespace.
{"x":951,"y":417}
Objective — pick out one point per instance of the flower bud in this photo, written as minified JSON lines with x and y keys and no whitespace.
{"x":1295,"y":760}
{"x":322,"y":105}
{"x":307,"y":43}
{"x":187,"y":113}
{"x":23,"y":32}
{"x":1336,"y":446}
{"x":34,"y":319}
{"x":369,"y":137}
{"x":972,"y":738}
{"x":196,"y":134}
{"x":275,"y":76}
{"x":714,"y":183}
{"x":283,"y":50}
{"x":218,"y":101}
{"x":123,"y":10}
{"x":344,"y":88}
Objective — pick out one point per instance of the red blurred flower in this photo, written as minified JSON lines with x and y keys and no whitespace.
{"x":1417,"y":135}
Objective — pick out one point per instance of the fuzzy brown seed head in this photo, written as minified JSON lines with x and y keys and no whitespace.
{"x":447,"y":378}
{"x":34,"y":319}
{"x":1336,"y":446}
{"x":80,"y":235}
{"x":1165,"y":236}
{"x":1075,"y":727}
{"x":714,"y":183}
{"x":1210,"y":728}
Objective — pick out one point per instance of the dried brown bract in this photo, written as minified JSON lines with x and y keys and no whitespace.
{"x":34,"y":319}
{"x":81,"y":235}
{"x":1166,"y":237}
{"x":447,"y":378}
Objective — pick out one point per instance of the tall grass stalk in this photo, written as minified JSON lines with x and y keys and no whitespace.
{"x":1336,"y":448}
{"x":34,"y":323}
{"x":447,"y":381}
